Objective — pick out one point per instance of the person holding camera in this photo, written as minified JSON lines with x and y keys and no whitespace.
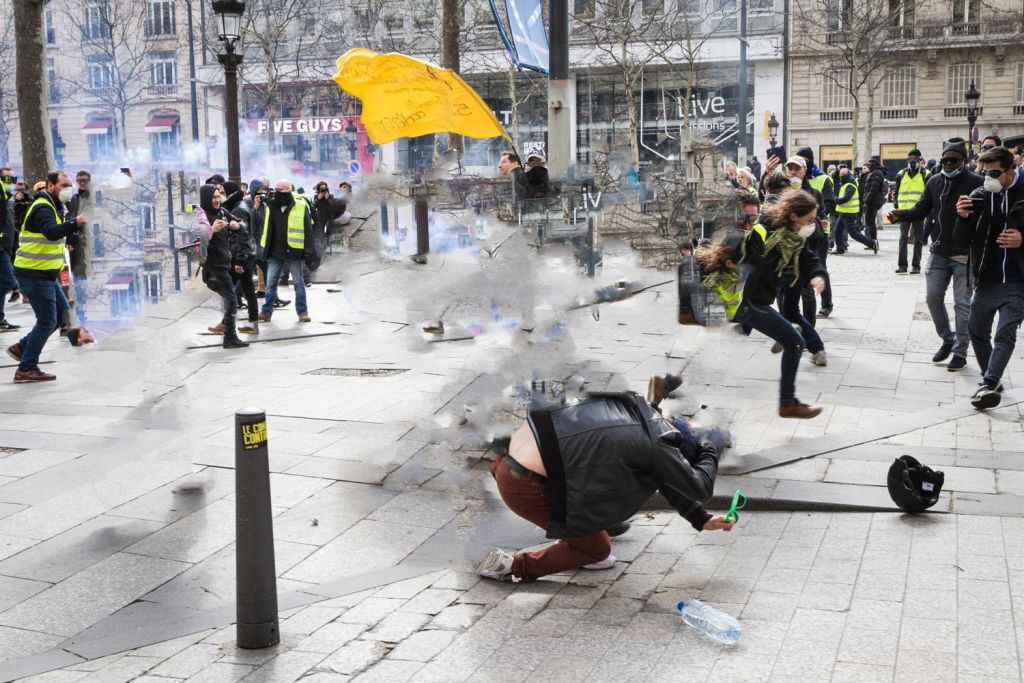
{"x":37,"y":265}
{"x":215,"y":222}
{"x":946,"y":261}
{"x":989,"y":225}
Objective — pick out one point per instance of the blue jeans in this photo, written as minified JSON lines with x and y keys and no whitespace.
{"x":937,"y":273}
{"x":274,"y":268}
{"x":7,"y":281}
{"x":849,"y":225}
{"x":81,"y":296}
{"x":46,"y":299}
{"x":1008,"y":301}
{"x":770,"y":322}
{"x":789,"y":304}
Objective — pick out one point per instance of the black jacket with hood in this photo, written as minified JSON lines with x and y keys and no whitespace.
{"x":937,"y":204}
{"x":979,"y":232}
{"x":872,"y":186}
{"x":218,"y":249}
{"x":607,"y":455}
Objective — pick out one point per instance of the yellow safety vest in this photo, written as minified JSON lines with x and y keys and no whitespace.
{"x":818,"y":181}
{"x":296,"y":226}
{"x":732,"y":297}
{"x":35,"y":252}
{"x":910,"y":189}
{"x":852,"y":206}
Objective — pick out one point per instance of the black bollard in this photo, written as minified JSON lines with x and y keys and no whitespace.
{"x":255,"y":573}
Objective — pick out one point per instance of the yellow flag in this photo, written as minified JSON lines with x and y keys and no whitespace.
{"x":405,"y":97}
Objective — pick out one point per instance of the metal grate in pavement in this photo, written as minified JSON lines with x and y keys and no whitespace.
{"x":358,"y":372}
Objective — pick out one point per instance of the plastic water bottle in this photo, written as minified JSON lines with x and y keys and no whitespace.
{"x":710,"y":621}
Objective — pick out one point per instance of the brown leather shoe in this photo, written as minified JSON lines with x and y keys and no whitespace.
{"x":794,"y":408}
{"x":217,"y":329}
{"x":304,"y":318}
{"x":660,"y":386}
{"x":264,"y":318}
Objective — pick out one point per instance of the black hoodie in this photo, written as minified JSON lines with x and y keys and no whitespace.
{"x":218,"y":250}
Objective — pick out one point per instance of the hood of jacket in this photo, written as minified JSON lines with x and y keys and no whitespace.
{"x":206,"y":193}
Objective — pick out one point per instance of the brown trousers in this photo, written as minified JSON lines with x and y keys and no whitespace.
{"x":529,"y":499}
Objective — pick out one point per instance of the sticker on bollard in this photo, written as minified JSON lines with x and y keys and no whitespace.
{"x":254,"y":435}
{"x":255,"y":573}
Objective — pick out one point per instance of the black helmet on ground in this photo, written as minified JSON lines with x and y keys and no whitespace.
{"x":912,"y":486}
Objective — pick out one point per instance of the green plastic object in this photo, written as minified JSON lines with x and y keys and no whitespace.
{"x":733,"y":515}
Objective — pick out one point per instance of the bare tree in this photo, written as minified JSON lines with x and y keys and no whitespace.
{"x":30,"y":78}
{"x":8,"y":92}
{"x":848,"y":40}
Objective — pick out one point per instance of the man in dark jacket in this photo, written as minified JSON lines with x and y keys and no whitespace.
{"x":8,"y":241}
{"x":872,"y":195}
{"x":37,"y":267}
{"x":946,"y":262}
{"x":81,"y":254}
{"x":286,"y":239}
{"x":509,"y":164}
{"x":577,"y":470}
{"x":989,"y":223}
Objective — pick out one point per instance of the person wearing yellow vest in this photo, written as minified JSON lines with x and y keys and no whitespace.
{"x":37,"y":266}
{"x":848,"y":210}
{"x":775,"y":254}
{"x":910,"y":183}
{"x":285,"y":241}
{"x":8,"y":240}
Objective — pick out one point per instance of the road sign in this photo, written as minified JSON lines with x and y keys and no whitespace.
{"x":353,"y":167}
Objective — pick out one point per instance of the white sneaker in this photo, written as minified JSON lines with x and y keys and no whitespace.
{"x":497,"y":565}
{"x":606,"y":563}
{"x":819,"y":358}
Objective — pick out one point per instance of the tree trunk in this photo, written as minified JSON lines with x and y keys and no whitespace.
{"x":450,"y":27}
{"x":854,"y":137}
{"x":515,"y":103}
{"x":33,"y":91}
{"x":869,"y":123}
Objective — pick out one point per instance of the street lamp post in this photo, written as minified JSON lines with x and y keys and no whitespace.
{"x":353,"y":142}
{"x":773,"y":129}
{"x":971,"y":97}
{"x":229,"y":14}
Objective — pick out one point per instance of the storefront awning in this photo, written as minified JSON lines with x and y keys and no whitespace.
{"x":97,"y":127}
{"x":162,"y":124}
{"x":120,"y":281}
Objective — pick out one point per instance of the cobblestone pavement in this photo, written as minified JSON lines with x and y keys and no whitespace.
{"x":116,"y":490}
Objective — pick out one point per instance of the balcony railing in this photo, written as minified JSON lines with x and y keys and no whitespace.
{"x":1018,"y":110}
{"x":958,"y":112}
{"x":969,"y":29}
{"x":893,"y":114}
{"x":163,"y":89}
{"x":901,"y":32}
{"x":828,"y":116}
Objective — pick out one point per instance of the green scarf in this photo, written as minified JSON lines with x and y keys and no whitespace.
{"x":789,"y":244}
{"x":722,"y":279}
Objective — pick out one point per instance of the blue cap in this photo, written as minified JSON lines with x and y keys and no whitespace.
{"x":681,"y":605}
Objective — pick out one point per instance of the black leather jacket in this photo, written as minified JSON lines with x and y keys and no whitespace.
{"x":607,"y":455}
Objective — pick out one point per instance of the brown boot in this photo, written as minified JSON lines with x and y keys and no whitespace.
{"x":794,"y":408}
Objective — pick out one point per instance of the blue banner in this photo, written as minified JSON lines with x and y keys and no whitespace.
{"x":529,"y":44}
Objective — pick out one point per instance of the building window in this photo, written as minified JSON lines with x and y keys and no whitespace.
{"x":840,"y":13}
{"x":51,"y":78}
{"x":163,"y":69}
{"x":899,"y":89}
{"x":958,"y":79}
{"x":363,"y":20}
{"x":1020,"y":82}
{"x":51,"y":32}
{"x":966,"y":11}
{"x":901,"y":12}
{"x":835,"y":92}
{"x":102,"y":147}
{"x":583,"y":9}
{"x":653,"y":8}
{"x":99,"y":74}
{"x":97,"y":22}
{"x":160,"y":18}
{"x":761,"y":6}
{"x":166,"y":146}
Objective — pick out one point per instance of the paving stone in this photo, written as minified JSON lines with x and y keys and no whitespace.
{"x":389,"y":671}
{"x":188,"y":662}
{"x":422,"y":646}
{"x":848,"y":672}
{"x":775,"y":607}
{"x":929,"y":604}
{"x":397,"y":627}
{"x":782,"y":580}
{"x":12,"y":545}
{"x":457,"y":617}
{"x":355,"y":657}
{"x":522,"y":604}
{"x":371,"y":610}
{"x":983,"y":595}
{"x":811,"y":625}
{"x":826,"y":596}
{"x":805,"y":661}
{"x":16,"y":642}
{"x":309,"y":619}
{"x":880,"y":587}
{"x":431,"y":601}
{"x":330,"y":637}
{"x":925,"y":667}
{"x":220,"y":672}
{"x":929,"y":635}
{"x":409,"y":588}
{"x":121,"y":670}
{"x":285,"y":667}
{"x":421,"y":508}
{"x":639,"y":586}
{"x":615,"y":611}
{"x":563,"y":669}
{"x":648,"y":628}
{"x":487,"y":592}
{"x":70,"y":606}
{"x":66,"y":676}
